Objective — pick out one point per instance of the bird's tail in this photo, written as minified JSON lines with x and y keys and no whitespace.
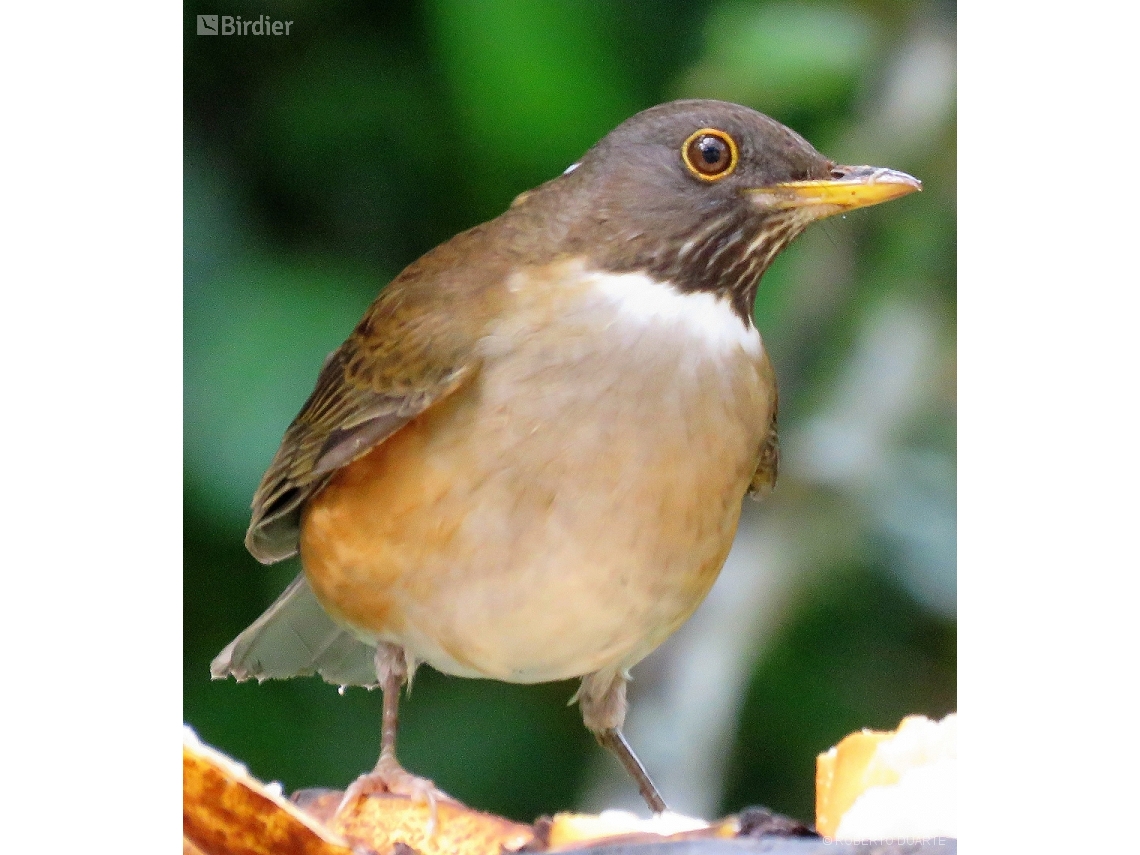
{"x":296,"y":637}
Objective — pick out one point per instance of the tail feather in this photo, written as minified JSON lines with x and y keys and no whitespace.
{"x":296,"y":637}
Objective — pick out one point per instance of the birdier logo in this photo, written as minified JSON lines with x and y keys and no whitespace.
{"x":230,"y":25}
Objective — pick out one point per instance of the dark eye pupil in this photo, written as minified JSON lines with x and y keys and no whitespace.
{"x":712,"y":150}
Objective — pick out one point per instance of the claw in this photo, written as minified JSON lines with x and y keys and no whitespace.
{"x":391,"y":778}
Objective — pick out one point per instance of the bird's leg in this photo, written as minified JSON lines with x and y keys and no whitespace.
{"x":603,"y":703}
{"x":388,"y":776}
{"x":615,"y":742}
{"x":392,"y":671}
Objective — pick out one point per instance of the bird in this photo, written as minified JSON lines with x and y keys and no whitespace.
{"x":527,"y":461}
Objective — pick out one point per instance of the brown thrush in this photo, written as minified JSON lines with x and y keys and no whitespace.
{"x":527,"y":461}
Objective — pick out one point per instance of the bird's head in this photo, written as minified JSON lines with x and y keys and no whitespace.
{"x":704,"y":194}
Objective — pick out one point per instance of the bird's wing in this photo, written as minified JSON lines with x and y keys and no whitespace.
{"x":412,"y":349}
{"x":768,"y":463}
{"x":764,"y":478}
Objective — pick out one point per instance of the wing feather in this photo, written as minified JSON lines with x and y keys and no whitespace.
{"x":411,"y":350}
{"x":768,"y":462}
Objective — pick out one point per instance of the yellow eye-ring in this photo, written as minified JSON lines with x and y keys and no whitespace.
{"x":710,"y":154}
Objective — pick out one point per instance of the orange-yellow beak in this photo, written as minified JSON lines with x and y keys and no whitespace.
{"x":849,"y":187}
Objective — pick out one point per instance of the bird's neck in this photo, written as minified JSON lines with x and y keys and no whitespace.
{"x":725,"y":254}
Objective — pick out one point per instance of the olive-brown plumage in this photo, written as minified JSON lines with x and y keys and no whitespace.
{"x":527,"y":460}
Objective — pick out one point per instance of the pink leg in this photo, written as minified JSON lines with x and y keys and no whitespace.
{"x":602,"y":699}
{"x":389,"y":776}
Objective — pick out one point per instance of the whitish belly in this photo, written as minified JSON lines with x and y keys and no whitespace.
{"x":566,"y":512}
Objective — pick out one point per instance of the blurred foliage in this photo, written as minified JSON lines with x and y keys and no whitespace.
{"x":892,"y":657}
{"x":317,"y":165}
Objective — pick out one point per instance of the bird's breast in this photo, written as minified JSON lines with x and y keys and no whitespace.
{"x":571,"y":507}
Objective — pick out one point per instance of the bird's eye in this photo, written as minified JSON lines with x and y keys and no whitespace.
{"x":710,"y":154}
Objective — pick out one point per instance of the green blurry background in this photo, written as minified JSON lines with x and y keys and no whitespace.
{"x":318,"y":165}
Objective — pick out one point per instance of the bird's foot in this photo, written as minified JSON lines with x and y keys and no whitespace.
{"x":390,"y":778}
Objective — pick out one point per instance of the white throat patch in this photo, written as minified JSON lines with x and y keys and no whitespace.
{"x":700,"y":314}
